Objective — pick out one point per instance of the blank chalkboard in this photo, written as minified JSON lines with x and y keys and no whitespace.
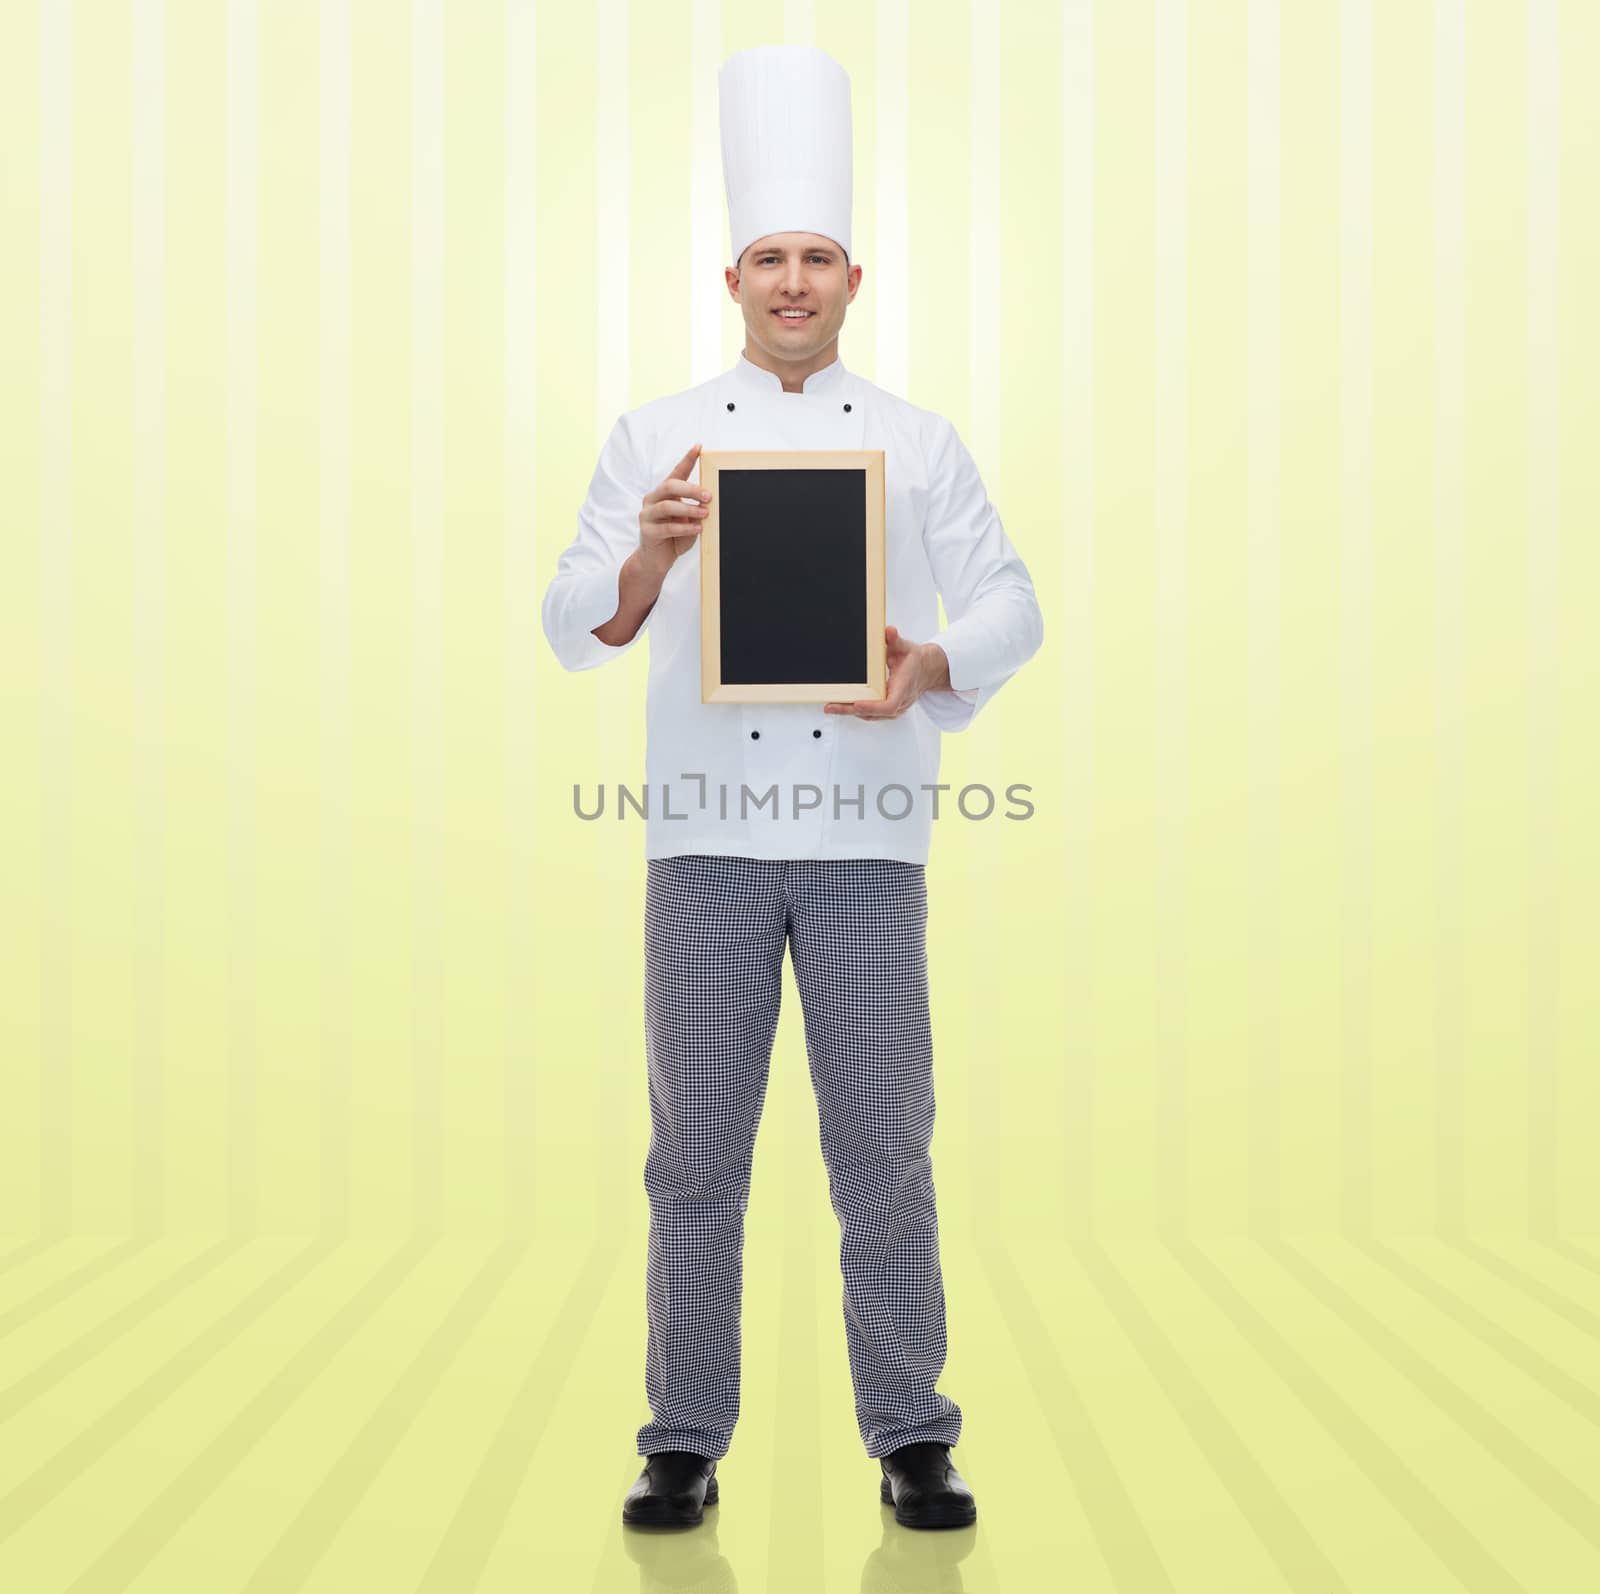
{"x":792,"y":576}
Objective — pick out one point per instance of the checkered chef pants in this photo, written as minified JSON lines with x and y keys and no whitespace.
{"x":715,"y":928}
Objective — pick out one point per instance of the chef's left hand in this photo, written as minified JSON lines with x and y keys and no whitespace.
{"x":914,"y":668}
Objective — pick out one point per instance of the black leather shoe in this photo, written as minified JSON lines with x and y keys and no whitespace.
{"x":921,"y":1483}
{"x":671,"y":1491}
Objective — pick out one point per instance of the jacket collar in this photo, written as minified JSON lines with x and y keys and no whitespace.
{"x":756,"y":379}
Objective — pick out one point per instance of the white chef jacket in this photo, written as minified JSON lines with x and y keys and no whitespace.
{"x":785,"y":780}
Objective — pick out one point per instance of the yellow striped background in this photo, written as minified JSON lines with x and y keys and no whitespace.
{"x":1268,"y":1150}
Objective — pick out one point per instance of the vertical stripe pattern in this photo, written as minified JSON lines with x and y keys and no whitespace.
{"x":1269,"y":1131}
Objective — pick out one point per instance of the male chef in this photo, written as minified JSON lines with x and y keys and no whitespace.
{"x":834,"y":868}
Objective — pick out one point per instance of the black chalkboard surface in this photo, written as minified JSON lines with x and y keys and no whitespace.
{"x":792,"y":576}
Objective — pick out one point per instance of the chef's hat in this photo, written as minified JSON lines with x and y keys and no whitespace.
{"x":785,"y":143}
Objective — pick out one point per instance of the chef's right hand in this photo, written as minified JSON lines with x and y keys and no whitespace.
{"x":667,"y":525}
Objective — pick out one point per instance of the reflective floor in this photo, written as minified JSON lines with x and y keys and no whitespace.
{"x":1230,"y":1414}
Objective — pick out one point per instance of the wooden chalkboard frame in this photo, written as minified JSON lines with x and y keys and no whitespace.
{"x":714,"y":689}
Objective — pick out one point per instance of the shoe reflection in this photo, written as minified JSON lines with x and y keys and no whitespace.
{"x":680,"y":1560}
{"x":905,"y":1560}
{"x":917,"y":1560}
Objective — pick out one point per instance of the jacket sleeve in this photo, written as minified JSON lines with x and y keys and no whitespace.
{"x":585,"y":591}
{"x":993,"y":625}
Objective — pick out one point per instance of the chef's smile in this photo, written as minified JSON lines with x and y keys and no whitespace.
{"x":793,"y":289}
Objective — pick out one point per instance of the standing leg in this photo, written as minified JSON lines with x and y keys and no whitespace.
{"x":858,"y":936}
{"x":714,"y":940}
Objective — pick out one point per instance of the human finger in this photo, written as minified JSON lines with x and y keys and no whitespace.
{"x":676,"y":487}
{"x":674,"y":509}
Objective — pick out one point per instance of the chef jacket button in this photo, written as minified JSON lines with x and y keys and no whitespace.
{"x":816,"y":733}
{"x":730,"y":406}
{"x":847,"y":409}
{"x":754,"y":735}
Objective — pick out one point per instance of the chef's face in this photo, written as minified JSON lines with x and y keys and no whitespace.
{"x":795,"y":271}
